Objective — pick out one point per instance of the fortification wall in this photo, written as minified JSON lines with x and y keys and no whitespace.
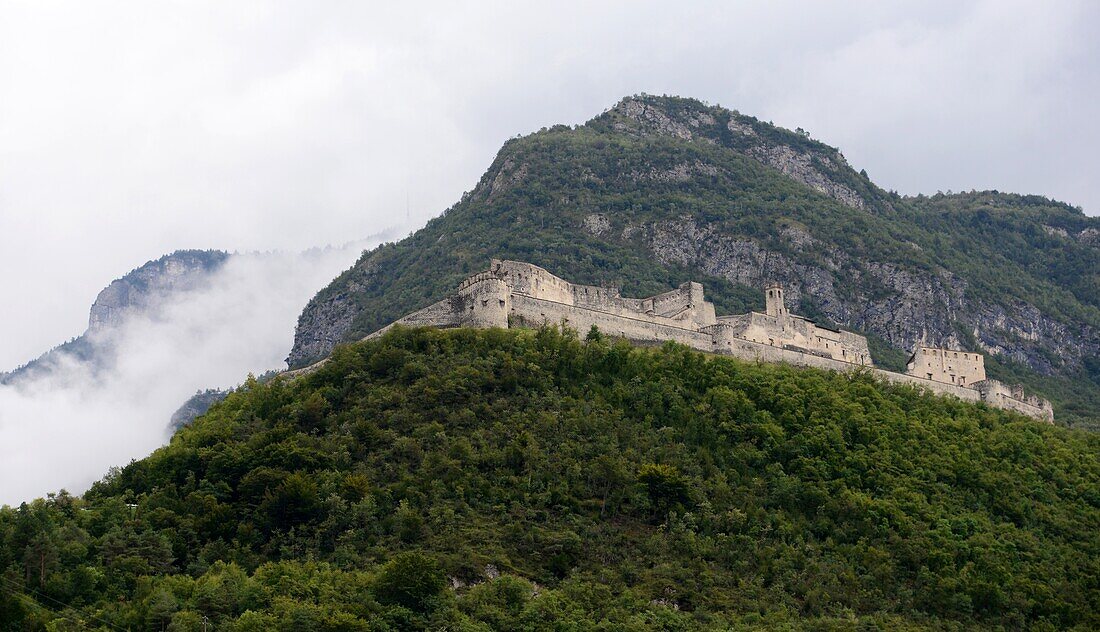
{"x":793,"y":331}
{"x":514,"y":293}
{"x":487,"y":303}
{"x":532,"y":280}
{"x":946,"y":365}
{"x":446,"y":313}
{"x":726,"y":342}
{"x":531,"y":311}
{"x":1001,"y":395}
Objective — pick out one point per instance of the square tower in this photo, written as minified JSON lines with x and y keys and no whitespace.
{"x":773,"y":296}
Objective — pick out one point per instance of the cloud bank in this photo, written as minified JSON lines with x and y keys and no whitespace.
{"x":64,"y":430}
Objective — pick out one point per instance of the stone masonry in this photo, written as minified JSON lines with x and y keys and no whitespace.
{"x":517,"y":294}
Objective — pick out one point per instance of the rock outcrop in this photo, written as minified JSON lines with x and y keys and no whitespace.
{"x":180,"y":271}
{"x":133,"y":293}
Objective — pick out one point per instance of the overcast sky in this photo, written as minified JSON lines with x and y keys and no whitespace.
{"x":130,"y":129}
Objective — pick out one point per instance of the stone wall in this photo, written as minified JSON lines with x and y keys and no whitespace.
{"x":534,"y":312}
{"x":1001,"y":395}
{"x":513,"y":294}
{"x":785,"y":330}
{"x":945,"y":365}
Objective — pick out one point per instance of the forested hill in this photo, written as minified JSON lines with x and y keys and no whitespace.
{"x":529,"y":480}
{"x":660,"y":190}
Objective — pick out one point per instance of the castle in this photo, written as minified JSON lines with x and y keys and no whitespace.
{"x":517,"y":294}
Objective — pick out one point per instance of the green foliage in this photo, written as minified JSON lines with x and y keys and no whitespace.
{"x":411,"y":579}
{"x":529,"y":480}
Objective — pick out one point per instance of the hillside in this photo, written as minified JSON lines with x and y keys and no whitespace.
{"x":523,"y":479}
{"x":660,"y":190}
{"x":138,"y":292}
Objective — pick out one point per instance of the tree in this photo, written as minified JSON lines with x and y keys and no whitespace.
{"x":665,"y":487}
{"x":607,"y":474}
{"x":594,"y":334}
{"x":411,"y":580}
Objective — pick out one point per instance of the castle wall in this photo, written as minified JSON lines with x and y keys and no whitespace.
{"x":481,"y":301}
{"x":944,"y":365}
{"x":535,"y":312}
{"x":520,"y":294}
{"x":532,"y":280}
{"x":999,"y":394}
{"x":787,"y":331}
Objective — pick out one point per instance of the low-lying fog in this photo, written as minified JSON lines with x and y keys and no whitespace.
{"x":67,"y":429}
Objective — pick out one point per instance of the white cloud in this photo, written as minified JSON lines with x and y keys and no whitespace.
{"x":66,"y":429}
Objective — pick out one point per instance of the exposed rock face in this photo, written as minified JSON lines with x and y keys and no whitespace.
{"x":801,"y":167}
{"x":138,"y":290}
{"x":509,"y":175}
{"x":597,"y":224}
{"x":911,"y":308}
{"x":657,"y":120}
{"x":195,"y":406}
{"x":321,"y":327}
{"x":326,"y":319}
{"x":180,"y":271}
{"x":812,"y":168}
{"x":678,"y":173}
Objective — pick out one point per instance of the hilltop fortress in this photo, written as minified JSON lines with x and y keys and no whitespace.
{"x":516,"y":294}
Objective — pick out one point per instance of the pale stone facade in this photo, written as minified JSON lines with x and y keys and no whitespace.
{"x":964,"y":368}
{"x":777,"y":327}
{"x":516,"y":294}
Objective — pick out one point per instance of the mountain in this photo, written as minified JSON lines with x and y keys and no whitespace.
{"x":195,"y":406}
{"x":189,"y":321}
{"x":660,"y":190}
{"x":527,"y":480}
{"x":138,"y":292}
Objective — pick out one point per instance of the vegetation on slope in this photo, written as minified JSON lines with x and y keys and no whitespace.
{"x":525,"y":480}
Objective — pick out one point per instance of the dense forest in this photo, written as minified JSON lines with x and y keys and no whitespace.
{"x":678,"y":195}
{"x":535,"y":479}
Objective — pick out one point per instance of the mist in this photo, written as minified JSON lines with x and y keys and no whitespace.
{"x":63,"y":428}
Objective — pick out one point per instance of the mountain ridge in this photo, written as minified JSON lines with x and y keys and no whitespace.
{"x":133,"y":292}
{"x":660,"y":190}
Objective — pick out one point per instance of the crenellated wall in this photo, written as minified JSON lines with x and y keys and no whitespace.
{"x":1002,"y":395}
{"x":516,"y":294}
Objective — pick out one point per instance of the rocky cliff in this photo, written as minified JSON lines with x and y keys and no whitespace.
{"x":178,"y":272}
{"x":133,"y":293}
{"x":659,"y":190}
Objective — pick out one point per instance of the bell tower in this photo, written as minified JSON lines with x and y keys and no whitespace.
{"x":773,"y":294}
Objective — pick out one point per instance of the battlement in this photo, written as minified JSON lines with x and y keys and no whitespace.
{"x":518,"y":294}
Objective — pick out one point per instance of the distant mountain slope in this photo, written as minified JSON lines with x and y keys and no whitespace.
{"x":136,"y":292}
{"x":659,"y":190}
{"x":526,"y":480}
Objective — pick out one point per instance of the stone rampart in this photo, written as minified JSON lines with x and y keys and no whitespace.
{"x":1001,"y":395}
{"x":519,"y":294}
{"x":534,"y":312}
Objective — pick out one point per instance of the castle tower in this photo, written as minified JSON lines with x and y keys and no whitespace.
{"x":773,"y":294}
